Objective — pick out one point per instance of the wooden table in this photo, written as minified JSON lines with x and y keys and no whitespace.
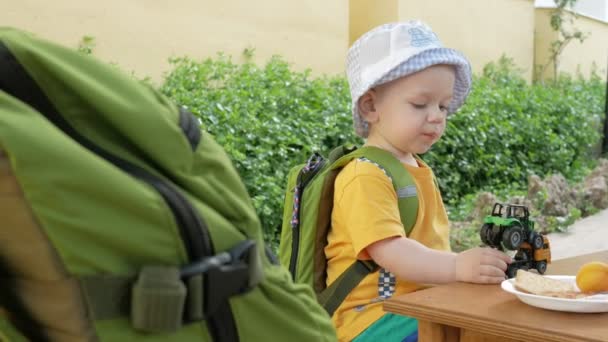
{"x":470,"y":312}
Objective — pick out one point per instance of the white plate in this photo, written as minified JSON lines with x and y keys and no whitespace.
{"x":595,"y":303}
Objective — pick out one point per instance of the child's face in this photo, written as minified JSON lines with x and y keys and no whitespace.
{"x":411,"y":111}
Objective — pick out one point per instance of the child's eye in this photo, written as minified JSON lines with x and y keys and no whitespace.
{"x":443,"y":108}
{"x":419,"y":105}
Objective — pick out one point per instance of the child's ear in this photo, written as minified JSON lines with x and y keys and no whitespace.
{"x":367,"y":106}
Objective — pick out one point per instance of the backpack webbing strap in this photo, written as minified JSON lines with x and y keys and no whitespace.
{"x":334,"y":295}
{"x":107,"y":296}
{"x":161,"y":299}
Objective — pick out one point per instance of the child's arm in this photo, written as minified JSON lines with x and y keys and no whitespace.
{"x":411,"y":260}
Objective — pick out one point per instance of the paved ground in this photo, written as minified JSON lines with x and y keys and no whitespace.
{"x":585,"y":236}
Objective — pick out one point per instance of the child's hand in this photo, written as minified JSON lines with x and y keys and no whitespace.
{"x":481,"y":265}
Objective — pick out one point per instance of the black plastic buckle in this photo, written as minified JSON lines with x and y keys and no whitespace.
{"x":339,"y":152}
{"x":212,"y":280}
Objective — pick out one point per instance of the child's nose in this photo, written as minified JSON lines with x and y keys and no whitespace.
{"x":437,"y":114}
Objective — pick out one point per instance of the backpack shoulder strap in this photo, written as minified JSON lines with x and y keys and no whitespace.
{"x":402,"y":180}
{"x":334,"y":294}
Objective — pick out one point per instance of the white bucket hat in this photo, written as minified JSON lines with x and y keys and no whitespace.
{"x":394,"y":50}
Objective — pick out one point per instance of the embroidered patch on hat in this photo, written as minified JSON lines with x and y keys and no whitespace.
{"x":421,"y":38}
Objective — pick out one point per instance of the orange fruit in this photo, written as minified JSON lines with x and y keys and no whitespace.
{"x":592,"y":277}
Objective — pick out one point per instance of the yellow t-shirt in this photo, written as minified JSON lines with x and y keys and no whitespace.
{"x":366,"y":211}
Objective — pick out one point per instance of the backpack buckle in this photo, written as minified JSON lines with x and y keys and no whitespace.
{"x":157,"y":300}
{"x":164,"y":298}
{"x":340,"y":152}
{"x":212,"y":280}
{"x":161,"y":299}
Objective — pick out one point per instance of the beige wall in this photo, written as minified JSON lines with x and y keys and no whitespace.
{"x":576,"y":57}
{"x":483,"y":30}
{"x":543,"y":36}
{"x":140,"y":35}
{"x":367,"y":14}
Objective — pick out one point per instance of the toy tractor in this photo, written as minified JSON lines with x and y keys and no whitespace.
{"x":510,"y":227}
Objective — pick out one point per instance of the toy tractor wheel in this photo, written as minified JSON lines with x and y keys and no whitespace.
{"x":511,"y":271}
{"x":541,"y":267}
{"x":537,"y":241}
{"x":486,"y":229}
{"x":513,"y":237}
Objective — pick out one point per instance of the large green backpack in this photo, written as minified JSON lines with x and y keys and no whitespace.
{"x":121,"y":221}
{"x":307,"y":219}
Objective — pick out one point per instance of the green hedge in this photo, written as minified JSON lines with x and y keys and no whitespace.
{"x":271,"y":118}
{"x":508,"y":130}
{"x":268,"y":119}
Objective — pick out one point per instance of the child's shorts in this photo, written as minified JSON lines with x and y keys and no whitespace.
{"x":391,"y":328}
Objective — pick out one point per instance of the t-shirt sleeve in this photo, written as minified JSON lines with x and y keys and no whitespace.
{"x":371,"y":213}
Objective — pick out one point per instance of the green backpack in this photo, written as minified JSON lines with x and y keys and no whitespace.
{"x":307,"y":219}
{"x":121,"y":221}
